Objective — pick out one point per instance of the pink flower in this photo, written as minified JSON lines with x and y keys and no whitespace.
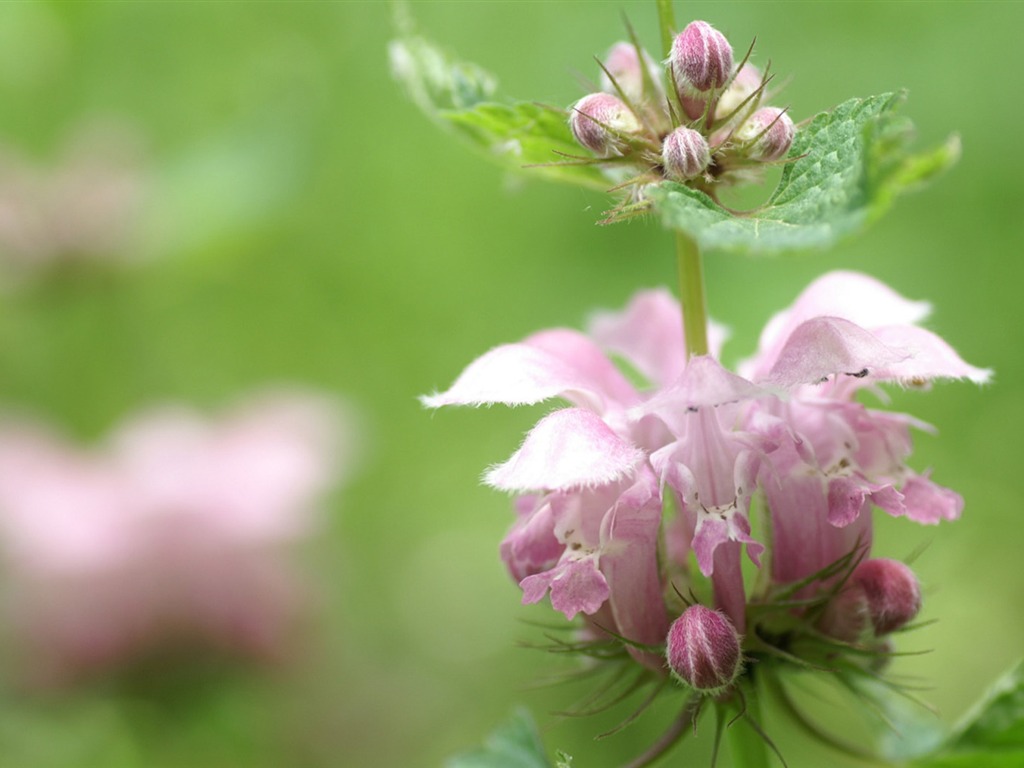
{"x":177,"y":532}
{"x":589,"y":528}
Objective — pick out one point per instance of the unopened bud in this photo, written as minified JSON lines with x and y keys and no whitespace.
{"x":623,"y":64}
{"x":701,"y":57}
{"x":771,"y":130}
{"x":703,"y":650}
{"x":892,"y":592}
{"x":685,"y":154}
{"x":598,"y":120}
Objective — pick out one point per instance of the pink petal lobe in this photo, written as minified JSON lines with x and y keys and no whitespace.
{"x":577,"y":586}
{"x":928,"y":503}
{"x":929,"y":357}
{"x":570,"y":448}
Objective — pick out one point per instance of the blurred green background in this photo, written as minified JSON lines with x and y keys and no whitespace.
{"x":306,"y":224}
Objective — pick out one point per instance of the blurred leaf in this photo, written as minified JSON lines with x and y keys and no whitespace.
{"x":851,"y":164}
{"x":459,"y":95}
{"x":992,"y":735}
{"x":515,"y":744}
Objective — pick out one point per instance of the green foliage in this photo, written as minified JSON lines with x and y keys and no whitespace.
{"x":458,"y":95}
{"x":514,"y":744}
{"x":850,"y":165}
{"x":992,"y":735}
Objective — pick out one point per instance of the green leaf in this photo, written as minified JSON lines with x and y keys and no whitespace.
{"x":851,"y":164}
{"x":514,"y":744}
{"x":992,"y":734}
{"x":460,"y":96}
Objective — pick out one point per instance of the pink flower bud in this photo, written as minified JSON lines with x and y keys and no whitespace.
{"x":701,"y":57}
{"x":892,"y":592}
{"x":703,"y":650}
{"x":597,"y":119}
{"x":770,"y":143}
{"x":685,"y":154}
{"x":625,"y":66}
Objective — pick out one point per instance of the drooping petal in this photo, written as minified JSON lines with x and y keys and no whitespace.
{"x":649,"y":334}
{"x":577,"y":586}
{"x":929,"y":357}
{"x":845,"y":500}
{"x":927,"y":502}
{"x":588,"y":361}
{"x":830,"y":346}
{"x":531,"y":545}
{"x":714,"y":528}
{"x":557,"y":363}
{"x":570,"y":448}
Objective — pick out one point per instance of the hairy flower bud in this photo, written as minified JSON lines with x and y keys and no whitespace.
{"x":703,"y":649}
{"x":597,"y":120}
{"x":701,"y":57}
{"x":771,"y":130}
{"x":623,"y":64}
{"x":685,"y":154}
{"x":892,"y":592}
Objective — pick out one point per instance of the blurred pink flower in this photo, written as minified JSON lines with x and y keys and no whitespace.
{"x":85,"y":205}
{"x":177,"y":533}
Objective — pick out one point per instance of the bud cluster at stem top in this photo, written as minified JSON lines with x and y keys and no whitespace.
{"x":698,"y":121}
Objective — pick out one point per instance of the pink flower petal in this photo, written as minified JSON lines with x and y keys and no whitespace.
{"x":852,"y":296}
{"x":549,"y":364}
{"x":577,"y":586}
{"x":928,"y":503}
{"x":830,"y":346}
{"x":930,"y":357}
{"x":570,"y":448}
{"x":649,"y":334}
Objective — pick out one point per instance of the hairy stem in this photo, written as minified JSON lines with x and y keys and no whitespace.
{"x":691,"y":295}
{"x":748,"y":743}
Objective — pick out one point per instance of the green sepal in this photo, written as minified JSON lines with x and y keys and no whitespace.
{"x":847,"y":166}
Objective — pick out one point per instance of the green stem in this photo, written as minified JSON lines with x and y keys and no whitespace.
{"x":691,"y":295}
{"x":667,"y":22}
{"x":748,"y":744}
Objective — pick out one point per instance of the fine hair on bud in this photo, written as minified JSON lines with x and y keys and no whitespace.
{"x":597,"y":121}
{"x":701,"y":57}
{"x":685,"y":154}
{"x":892,"y":592}
{"x":770,"y":131}
{"x":703,"y":650}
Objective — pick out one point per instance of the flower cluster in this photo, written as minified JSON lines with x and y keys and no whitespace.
{"x":633,"y":498}
{"x":700,"y":122}
{"x":172,"y":538}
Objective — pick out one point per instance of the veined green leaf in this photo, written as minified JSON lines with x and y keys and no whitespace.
{"x":460,"y":95}
{"x":850,"y":165}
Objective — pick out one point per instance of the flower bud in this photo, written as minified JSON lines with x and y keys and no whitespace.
{"x":685,"y":154}
{"x":771,"y":130}
{"x":703,"y":650}
{"x":595,"y":121}
{"x":701,"y":57}
{"x":892,"y":592}
{"x":623,"y":64}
